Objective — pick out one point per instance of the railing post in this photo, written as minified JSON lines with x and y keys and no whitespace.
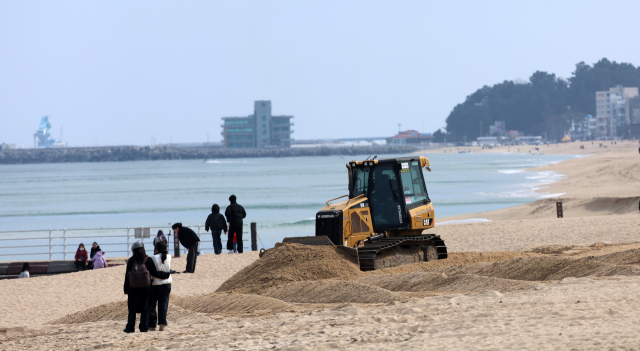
{"x":50,"y":248}
{"x":128,"y":246}
{"x":142,"y":236}
{"x":176,"y":244}
{"x":198,"y":241}
{"x":64,"y":244}
{"x":254,"y":237}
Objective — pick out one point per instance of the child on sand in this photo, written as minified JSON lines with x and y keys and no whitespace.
{"x":160,"y":288}
{"x":81,"y":258}
{"x":25,"y":271}
{"x":99,"y":261}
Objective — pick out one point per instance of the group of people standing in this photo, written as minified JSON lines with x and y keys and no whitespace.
{"x":147,"y":283}
{"x":148,"y":280}
{"x":234,"y":214}
{"x":95,"y":260}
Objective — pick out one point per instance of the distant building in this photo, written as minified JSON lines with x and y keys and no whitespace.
{"x":613,"y":113}
{"x":498,"y":129}
{"x":410,"y":137}
{"x":4,"y":146}
{"x":259,"y":130}
{"x":584,"y":130}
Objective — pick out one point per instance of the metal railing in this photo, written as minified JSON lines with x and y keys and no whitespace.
{"x":59,"y":243}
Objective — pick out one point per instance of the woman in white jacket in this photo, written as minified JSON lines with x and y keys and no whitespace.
{"x":160,"y":288}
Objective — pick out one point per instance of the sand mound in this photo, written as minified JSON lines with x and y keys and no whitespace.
{"x":229,"y":304}
{"x":224,"y":304}
{"x":456,"y":259}
{"x":630,"y":257}
{"x":552,"y":268}
{"x":118,"y":311}
{"x":440,"y":282}
{"x":108,"y":312}
{"x":287,"y":263}
{"x":333,"y":291}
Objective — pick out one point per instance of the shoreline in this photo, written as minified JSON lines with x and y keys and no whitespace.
{"x":598,"y":181}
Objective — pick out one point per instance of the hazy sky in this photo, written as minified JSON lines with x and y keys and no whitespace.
{"x":118,"y":72}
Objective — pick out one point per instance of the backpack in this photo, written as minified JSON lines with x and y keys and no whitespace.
{"x":139,"y":276}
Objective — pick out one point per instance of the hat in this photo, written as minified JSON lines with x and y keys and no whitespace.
{"x":138,"y":244}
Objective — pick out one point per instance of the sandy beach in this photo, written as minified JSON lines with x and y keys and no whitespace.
{"x":518,"y":279}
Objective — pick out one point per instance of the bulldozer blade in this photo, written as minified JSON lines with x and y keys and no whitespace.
{"x":309,"y":240}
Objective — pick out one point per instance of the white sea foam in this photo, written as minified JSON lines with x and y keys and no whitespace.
{"x":463,"y":221}
{"x":224,"y":161}
{"x":510,"y":171}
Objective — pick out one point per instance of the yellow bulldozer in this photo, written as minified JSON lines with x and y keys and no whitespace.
{"x":382,"y":218}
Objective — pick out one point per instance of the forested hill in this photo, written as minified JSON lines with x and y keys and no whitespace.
{"x":540,"y":106}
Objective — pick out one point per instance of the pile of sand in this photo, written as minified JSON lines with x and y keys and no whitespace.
{"x":115,"y":311}
{"x":333,"y":291}
{"x":552,"y":268}
{"x":441,"y":282}
{"x":287,"y":263}
{"x":230,"y":304}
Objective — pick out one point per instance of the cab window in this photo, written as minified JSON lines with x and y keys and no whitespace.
{"x":360,"y":181}
{"x":412,"y":185}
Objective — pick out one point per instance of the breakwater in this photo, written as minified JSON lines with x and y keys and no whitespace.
{"x":148,"y":153}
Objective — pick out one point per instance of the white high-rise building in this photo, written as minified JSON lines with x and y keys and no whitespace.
{"x":612,"y":110}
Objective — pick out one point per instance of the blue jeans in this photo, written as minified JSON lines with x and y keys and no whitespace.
{"x":235,"y":247}
{"x":159,"y":296}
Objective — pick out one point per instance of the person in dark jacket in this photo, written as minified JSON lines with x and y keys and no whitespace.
{"x":234,"y":213}
{"x":189,"y":239}
{"x":139,"y":299}
{"x":95,"y":248}
{"x":216,"y":222}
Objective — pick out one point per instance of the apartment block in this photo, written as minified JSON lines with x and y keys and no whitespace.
{"x":258,"y":130}
{"x":614,"y":111}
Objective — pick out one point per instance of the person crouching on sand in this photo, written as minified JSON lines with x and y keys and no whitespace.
{"x":160,"y":288}
{"x":25,"y":270}
{"x":81,"y":258}
{"x":137,"y":286}
{"x":99,"y":261}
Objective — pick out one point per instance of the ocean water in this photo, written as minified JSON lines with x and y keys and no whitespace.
{"x":281,"y":195}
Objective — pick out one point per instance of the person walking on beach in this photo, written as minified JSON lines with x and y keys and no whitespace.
{"x":137,"y":286}
{"x":217,"y":224}
{"x":25,"y":270}
{"x":160,"y":288}
{"x":189,"y":239}
{"x":234,"y":213}
{"x":81,"y":258}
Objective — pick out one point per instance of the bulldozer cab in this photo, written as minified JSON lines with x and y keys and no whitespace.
{"x":392,"y":187}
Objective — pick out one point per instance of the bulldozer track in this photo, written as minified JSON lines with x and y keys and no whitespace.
{"x":367,"y":253}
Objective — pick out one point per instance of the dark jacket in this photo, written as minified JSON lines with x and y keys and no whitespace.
{"x":151,"y":267}
{"x":215,"y":221}
{"x":187,"y":237}
{"x":94,"y":251}
{"x":235,"y":213}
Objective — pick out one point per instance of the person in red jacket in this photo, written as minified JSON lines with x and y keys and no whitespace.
{"x":81,"y":258}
